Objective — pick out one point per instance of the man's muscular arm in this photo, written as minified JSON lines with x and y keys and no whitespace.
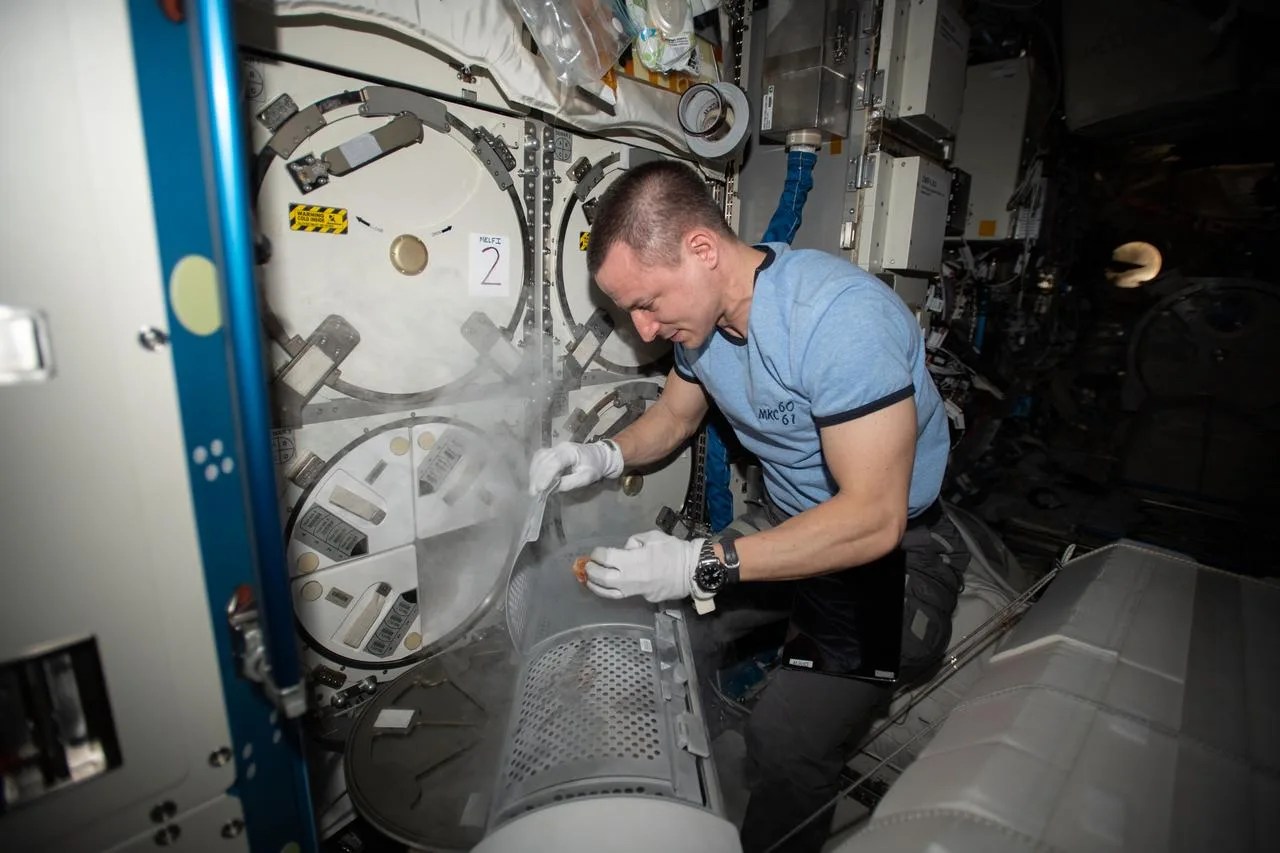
{"x":870,"y":458}
{"x":666,"y":424}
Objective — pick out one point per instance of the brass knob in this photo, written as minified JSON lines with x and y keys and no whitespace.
{"x":408,"y":254}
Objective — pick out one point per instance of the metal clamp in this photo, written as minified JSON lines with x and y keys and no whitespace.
{"x":242,"y":616}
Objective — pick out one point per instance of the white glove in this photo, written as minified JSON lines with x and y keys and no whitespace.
{"x":653,"y":564}
{"x":575,"y":465}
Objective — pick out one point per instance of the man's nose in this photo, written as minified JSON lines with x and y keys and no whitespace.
{"x":646,"y":326}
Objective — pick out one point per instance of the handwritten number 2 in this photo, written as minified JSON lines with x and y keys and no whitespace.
{"x":496,"y":257}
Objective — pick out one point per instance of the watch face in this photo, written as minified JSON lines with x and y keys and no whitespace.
{"x":711,"y":577}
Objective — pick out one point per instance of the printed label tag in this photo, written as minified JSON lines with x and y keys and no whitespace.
{"x":766,"y":110}
{"x":490,"y":266}
{"x":283,"y":446}
{"x":395,"y":625}
{"x":563,"y":145}
{"x":317,"y":220}
{"x":330,"y":535}
{"x":440,"y":460}
{"x":338,"y":597}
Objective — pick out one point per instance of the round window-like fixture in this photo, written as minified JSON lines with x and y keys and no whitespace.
{"x":1134,"y":264}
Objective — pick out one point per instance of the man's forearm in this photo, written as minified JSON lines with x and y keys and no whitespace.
{"x":829,"y":537}
{"x":653,"y":437}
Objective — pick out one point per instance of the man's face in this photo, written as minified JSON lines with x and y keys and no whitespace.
{"x":676,"y":303}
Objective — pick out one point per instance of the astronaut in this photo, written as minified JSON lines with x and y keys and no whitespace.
{"x":819,"y":368}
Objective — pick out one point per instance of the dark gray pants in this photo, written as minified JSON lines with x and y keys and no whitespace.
{"x":806,"y":725}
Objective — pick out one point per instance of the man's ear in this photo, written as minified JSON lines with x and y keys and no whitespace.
{"x":704,"y":244}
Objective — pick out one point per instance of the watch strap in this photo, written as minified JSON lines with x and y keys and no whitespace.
{"x":731,"y":561}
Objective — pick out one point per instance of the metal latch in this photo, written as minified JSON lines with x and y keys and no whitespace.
{"x":251,"y":652}
{"x":870,"y":88}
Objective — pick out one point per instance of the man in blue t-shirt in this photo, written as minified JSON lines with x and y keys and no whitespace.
{"x":820,"y":370}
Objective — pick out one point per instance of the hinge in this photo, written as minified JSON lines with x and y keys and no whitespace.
{"x":862,"y":172}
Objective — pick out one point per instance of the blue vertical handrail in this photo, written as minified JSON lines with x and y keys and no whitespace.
{"x":219,"y":68}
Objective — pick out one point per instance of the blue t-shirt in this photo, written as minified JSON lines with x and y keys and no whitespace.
{"x":826,"y":342}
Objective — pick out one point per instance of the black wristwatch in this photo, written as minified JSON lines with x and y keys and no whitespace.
{"x":711,"y":573}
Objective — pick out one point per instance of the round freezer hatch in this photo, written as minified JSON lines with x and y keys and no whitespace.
{"x":414,"y":248}
{"x":578,"y":298}
{"x":401,"y":542}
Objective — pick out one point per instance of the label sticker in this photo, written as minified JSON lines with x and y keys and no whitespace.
{"x":440,"y":460}
{"x":251,"y":82}
{"x":375,"y":471}
{"x":646,"y":645}
{"x":564,"y":146}
{"x":929,"y":186}
{"x":330,"y":535}
{"x":283,"y":446}
{"x":766,"y":110}
{"x":394,"y":626}
{"x":490,"y":266}
{"x":317,"y":220}
{"x":338,"y":597}
{"x":394,"y":718}
{"x":584,"y":240}
{"x":807,"y":664}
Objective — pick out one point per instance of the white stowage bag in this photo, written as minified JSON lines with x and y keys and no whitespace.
{"x":486,"y":34}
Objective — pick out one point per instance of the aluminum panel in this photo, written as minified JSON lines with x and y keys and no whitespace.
{"x":926,"y":85}
{"x":100,"y":536}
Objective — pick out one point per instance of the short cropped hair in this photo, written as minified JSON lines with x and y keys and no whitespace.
{"x":651,"y":208}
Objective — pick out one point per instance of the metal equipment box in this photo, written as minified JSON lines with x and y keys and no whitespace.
{"x":989,"y":143}
{"x":916,"y":202}
{"x":926,"y":82}
{"x":807,"y":68}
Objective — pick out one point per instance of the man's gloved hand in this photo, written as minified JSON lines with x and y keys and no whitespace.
{"x":575,"y":465}
{"x":653,"y":564}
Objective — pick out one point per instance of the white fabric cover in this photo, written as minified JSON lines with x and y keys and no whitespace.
{"x":486,"y":34}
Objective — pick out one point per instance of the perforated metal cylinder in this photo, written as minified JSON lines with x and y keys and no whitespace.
{"x":602,"y":705}
{"x":590,"y":719}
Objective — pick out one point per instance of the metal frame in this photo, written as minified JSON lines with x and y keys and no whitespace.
{"x":186,"y":81}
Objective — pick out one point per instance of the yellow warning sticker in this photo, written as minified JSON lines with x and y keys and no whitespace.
{"x":584,"y":240}
{"x":319,"y":220}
